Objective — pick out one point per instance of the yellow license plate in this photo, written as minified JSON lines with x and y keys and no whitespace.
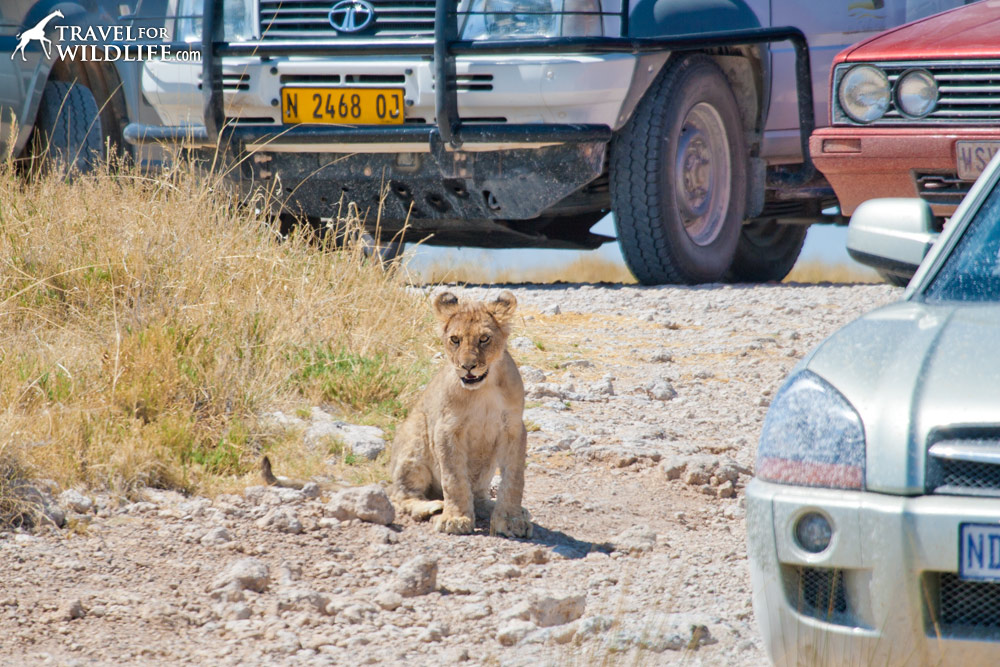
{"x":342,"y":106}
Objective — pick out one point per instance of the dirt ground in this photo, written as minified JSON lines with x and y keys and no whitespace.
{"x":644,"y":406}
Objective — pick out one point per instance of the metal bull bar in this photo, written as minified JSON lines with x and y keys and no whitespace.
{"x":449,"y":128}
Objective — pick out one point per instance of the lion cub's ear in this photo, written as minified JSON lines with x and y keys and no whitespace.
{"x":503,"y":307}
{"x":445,"y":305}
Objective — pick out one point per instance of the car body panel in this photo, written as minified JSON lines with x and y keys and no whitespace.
{"x":963,"y":32}
{"x":901,"y":157}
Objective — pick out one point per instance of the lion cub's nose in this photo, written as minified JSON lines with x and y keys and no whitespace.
{"x":469,"y":366}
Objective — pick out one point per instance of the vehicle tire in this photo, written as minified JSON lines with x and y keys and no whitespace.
{"x":895,"y":279}
{"x":68,"y":128}
{"x":385,"y":252}
{"x":766,"y":251}
{"x":678,"y":177}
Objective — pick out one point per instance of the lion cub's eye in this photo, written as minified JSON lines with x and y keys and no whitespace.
{"x":484,"y":339}
{"x":455,"y":340}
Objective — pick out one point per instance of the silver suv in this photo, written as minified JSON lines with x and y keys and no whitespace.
{"x":521,"y":123}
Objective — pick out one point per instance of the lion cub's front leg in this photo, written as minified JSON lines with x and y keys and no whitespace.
{"x":509,"y":518}
{"x":458,"y":516}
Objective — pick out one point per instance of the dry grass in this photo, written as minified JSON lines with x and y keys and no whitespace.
{"x":145,"y":324}
{"x":594,"y":268}
{"x":589,"y":268}
{"x":818,"y":271}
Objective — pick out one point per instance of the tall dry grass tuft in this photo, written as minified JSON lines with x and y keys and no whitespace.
{"x":146,"y":323}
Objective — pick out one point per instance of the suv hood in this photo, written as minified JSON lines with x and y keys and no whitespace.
{"x":965,"y":32}
{"x":910,"y":369}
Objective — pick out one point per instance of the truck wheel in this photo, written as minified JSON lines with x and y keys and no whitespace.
{"x":678,"y":177}
{"x":68,"y":127}
{"x":766,"y":251}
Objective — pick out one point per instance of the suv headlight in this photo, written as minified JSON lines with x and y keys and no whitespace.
{"x":864,"y":93}
{"x":526,"y":19}
{"x":240,"y":23}
{"x":812,"y":437}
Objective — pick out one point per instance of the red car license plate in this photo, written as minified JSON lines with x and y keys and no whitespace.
{"x":971,"y":157}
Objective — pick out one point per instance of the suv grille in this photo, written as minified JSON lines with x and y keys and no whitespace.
{"x":816,"y":592}
{"x":964,"y":466}
{"x":309,"y":19}
{"x":962,"y":608}
{"x":968,"y":92}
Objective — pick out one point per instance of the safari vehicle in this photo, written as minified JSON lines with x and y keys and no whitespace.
{"x":521,"y":123}
{"x":872,"y":517}
{"x":71,"y":106}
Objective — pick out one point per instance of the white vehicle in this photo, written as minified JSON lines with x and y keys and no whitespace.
{"x":521,"y":123}
{"x":872,"y":520}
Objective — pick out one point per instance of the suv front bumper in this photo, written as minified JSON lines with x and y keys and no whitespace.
{"x":884,"y":592}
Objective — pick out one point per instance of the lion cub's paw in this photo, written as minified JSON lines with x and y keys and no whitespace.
{"x":511,"y":524}
{"x":454,"y":525}
{"x":421,"y":510}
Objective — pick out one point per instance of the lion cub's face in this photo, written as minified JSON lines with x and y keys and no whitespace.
{"x":474,"y":334}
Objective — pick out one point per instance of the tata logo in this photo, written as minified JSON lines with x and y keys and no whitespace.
{"x":351,"y":15}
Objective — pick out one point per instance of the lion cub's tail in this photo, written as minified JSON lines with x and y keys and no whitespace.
{"x":271,"y":480}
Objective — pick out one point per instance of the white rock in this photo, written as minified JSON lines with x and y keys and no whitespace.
{"x":366,"y":441}
{"x":282,"y":519}
{"x":532,"y":374}
{"x":520,"y":611}
{"x":417,"y":576}
{"x":552,"y":310}
{"x":75,"y":501}
{"x":593,"y":625}
{"x":216,"y":536}
{"x":661,"y":390}
{"x":521,"y":343}
{"x":475,"y":611}
{"x":661,"y":356}
{"x":501,"y":571}
{"x":514,"y":631}
{"x":389,"y":600}
{"x":368,"y":503}
{"x":604,"y":387}
{"x":247,"y":573}
{"x":556,"y":608}
{"x":635,"y":540}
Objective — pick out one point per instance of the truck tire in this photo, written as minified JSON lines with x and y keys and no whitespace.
{"x":766,"y":251}
{"x":678,"y":177}
{"x":68,"y":128}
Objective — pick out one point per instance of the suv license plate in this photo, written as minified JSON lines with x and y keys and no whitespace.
{"x":979,"y":551}
{"x":342,"y":106}
{"x":971,"y":157}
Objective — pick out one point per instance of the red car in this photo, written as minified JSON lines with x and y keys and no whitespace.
{"x":915,"y":111}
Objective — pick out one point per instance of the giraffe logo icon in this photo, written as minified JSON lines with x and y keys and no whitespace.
{"x":36,"y":33}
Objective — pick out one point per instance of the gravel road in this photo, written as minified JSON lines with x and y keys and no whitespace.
{"x":644,"y":406}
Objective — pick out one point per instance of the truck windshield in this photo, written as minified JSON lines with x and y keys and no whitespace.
{"x":972,"y":270}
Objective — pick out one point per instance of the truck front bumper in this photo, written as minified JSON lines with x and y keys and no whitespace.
{"x":499,"y":94}
{"x":863,"y":163}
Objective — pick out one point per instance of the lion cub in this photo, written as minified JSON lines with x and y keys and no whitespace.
{"x":467,"y":422}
